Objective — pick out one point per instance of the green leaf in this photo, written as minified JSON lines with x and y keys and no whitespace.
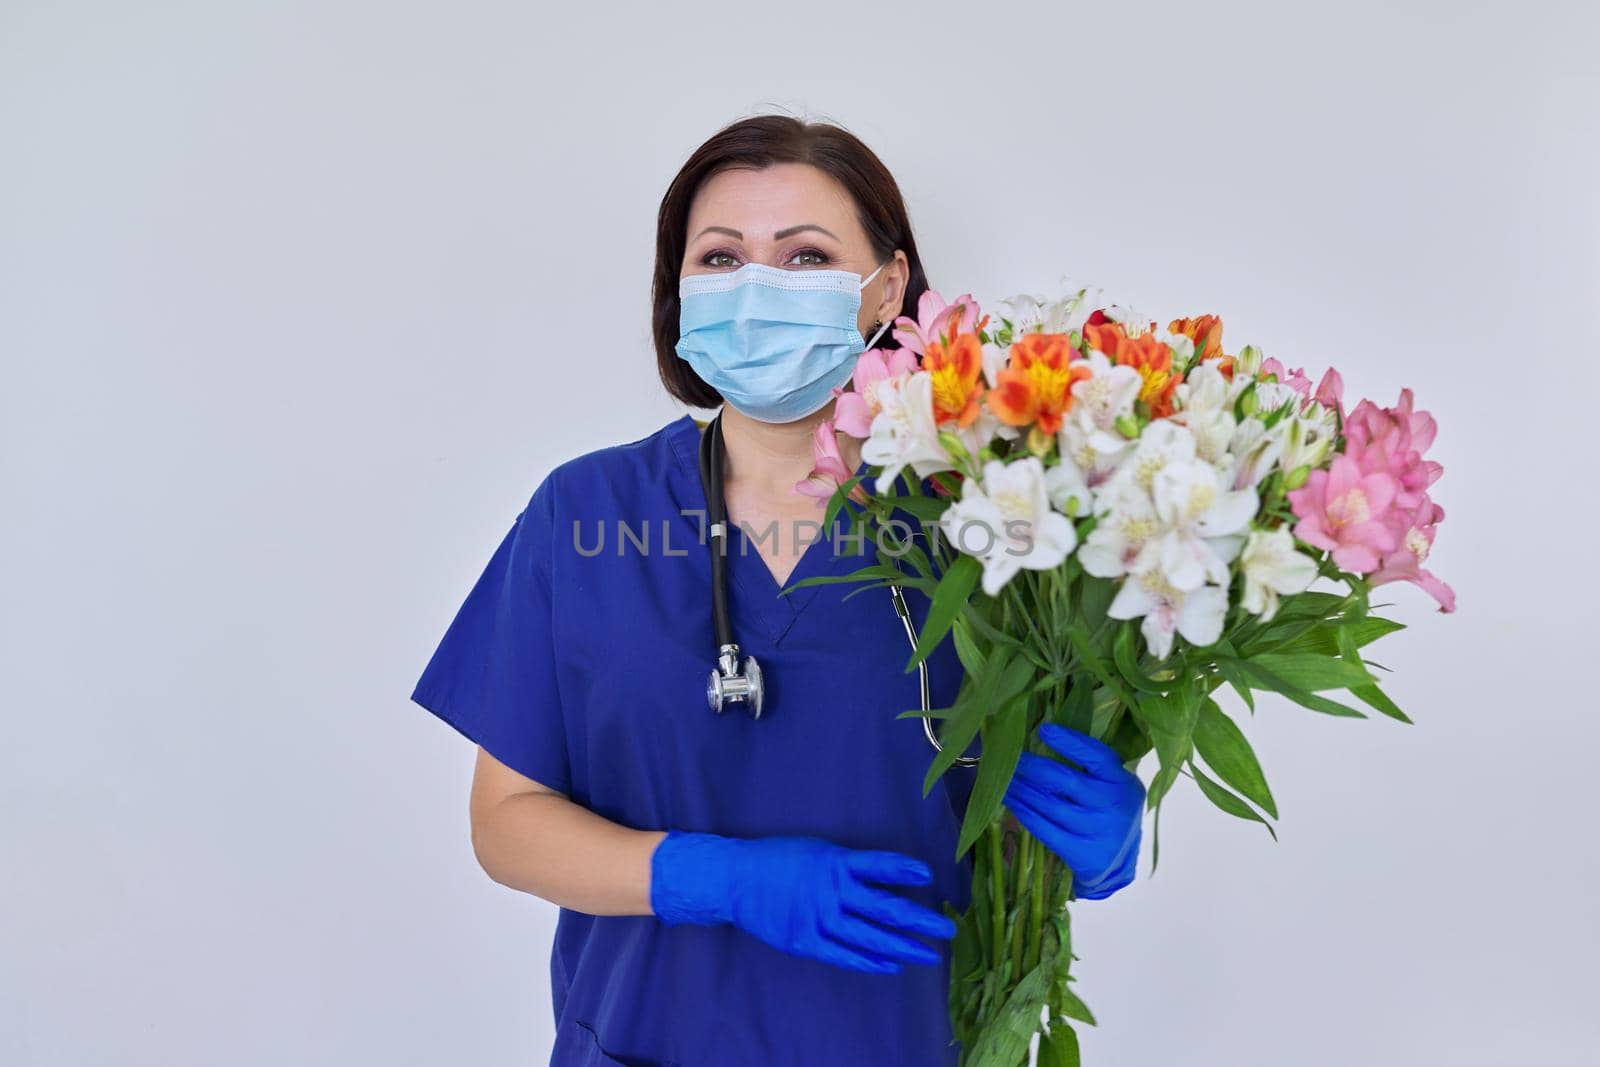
{"x":836,"y":501}
{"x":1002,"y":744}
{"x":1126,"y":657}
{"x":1226,"y":800}
{"x":973,"y":705}
{"x":967,"y":650}
{"x":1072,"y":1006}
{"x":1322,"y":704}
{"x":954,"y":590}
{"x":1303,"y":671}
{"x":1094,"y":599}
{"x":1170,"y":721}
{"x":964,"y":955}
{"x":1078,"y":634}
{"x":1369,"y":694}
{"x":1325,"y":639}
{"x":1059,"y":1048}
{"x":1004,"y":1041}
{"x":1223,"y":746}
{"x":1375,"y":697}
{"x":860,"y":574}
{"x":1229,"y":670}
{"x":1311,"y":604}
{"x":923,"y":508}
{"x":931,"y":713}
{"x":875,"y":570}
{"x":973,"y":613}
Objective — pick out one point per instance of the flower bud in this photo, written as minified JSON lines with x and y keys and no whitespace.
{"x":1297,"y":477}
{"x":1127,"y":426}
{"x":953,"y":445}
{"x":1039,"y":442}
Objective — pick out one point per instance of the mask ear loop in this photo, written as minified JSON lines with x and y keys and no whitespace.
{"x":881,"y":326}
{"x":877,"y":324}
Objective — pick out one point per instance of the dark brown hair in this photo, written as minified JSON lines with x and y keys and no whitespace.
{"x":759,"y":142}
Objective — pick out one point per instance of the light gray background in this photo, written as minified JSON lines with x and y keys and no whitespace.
{"x":298,"y":301}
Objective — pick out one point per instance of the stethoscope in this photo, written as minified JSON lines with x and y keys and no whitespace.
{"x":738,"y":679}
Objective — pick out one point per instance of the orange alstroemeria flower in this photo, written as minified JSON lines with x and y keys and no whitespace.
{"x":957,"y":372}
{"x":1150,"y":357}
{"x":1036,"y":384}
{"x":1206,"y":333}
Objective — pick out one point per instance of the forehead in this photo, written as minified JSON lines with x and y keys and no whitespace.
{"x":758,"y":202}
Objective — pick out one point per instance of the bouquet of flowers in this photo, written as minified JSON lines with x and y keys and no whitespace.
{"x":1115,"y":521}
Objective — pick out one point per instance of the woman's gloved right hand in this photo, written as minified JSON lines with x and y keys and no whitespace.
{"x":803,"y":895}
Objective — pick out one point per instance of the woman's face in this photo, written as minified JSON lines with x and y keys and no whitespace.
{"x":793,"y":216}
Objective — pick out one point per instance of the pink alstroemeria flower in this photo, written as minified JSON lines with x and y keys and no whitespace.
{"x":1295,"y":379}
{"x":1393,"y":440}
{"x":1330,"y":392}
{"x":829,"y":471}
{"x":933,"y":317}
{"x":854,"y":411}
{"x":1404,"y":564}
{"x":1347,"y":510}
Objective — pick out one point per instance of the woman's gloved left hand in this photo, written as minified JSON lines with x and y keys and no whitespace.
{"x":1093,"y":818}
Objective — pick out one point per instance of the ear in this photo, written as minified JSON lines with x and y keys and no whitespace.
{"x":896,"y":278}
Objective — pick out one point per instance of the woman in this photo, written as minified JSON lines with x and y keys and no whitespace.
{"x":738,"y":889}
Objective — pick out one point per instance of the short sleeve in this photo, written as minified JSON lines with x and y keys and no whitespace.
{"x":493,"y":675}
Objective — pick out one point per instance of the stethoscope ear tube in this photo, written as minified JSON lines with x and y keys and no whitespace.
{"x":729,"y":680}
{"x":922,"y":675}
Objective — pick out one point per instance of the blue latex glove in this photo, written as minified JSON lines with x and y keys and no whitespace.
{"x":1092,"y":819}
{"x":803,"y":895}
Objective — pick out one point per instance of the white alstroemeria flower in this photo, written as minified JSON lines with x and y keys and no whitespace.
{"x":1197,"y":614}
{"x":1182,"y":346}
{"x":1007,"y":523}
{"x":993,"y":358}
{"x":904,"y":432}
{"x":1246,"y":366}
{"x":1255,"y":451}
{"x":1163,"y":441}
{"x":1105,"y":396}
{"x":1308,"y":438}
{"x":1029,"y":313}
{"x":1121,"y":542}
{"x":1270,"y":396}
{"x":1068,"y":490}
{"x":1097,"y":455}
{"x":1203,"y":524}
{"x":1271,"y":566}
{"x":1205,"y":408}
{"x":1133,"y":323}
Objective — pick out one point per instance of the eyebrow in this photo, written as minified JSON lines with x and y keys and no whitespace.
{"x":780,"y":235}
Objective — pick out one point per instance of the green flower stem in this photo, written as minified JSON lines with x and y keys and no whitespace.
{"x":1036,"y":909}
{"x":997,"y":892}
{"x":1024,"y":866}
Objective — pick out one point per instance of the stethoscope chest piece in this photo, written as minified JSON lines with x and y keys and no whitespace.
{"x":728,"y":683}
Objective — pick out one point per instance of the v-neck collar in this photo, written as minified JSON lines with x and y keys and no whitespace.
{"x":759,"y":591}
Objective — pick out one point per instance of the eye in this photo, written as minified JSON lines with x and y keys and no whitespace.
{"x":709,"y":258}
{"x":821,"y":257}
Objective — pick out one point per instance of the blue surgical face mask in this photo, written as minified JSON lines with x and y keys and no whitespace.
{"x":773,"y":342}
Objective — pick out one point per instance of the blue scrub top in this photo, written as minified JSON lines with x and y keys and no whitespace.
{"x":586,"y":671}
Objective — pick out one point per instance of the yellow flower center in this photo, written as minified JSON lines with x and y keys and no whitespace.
{"x":949,"y":391}
{"x":1350,"y":508}
{"x":1047,"y":382}
{"x":1154,"y":382}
